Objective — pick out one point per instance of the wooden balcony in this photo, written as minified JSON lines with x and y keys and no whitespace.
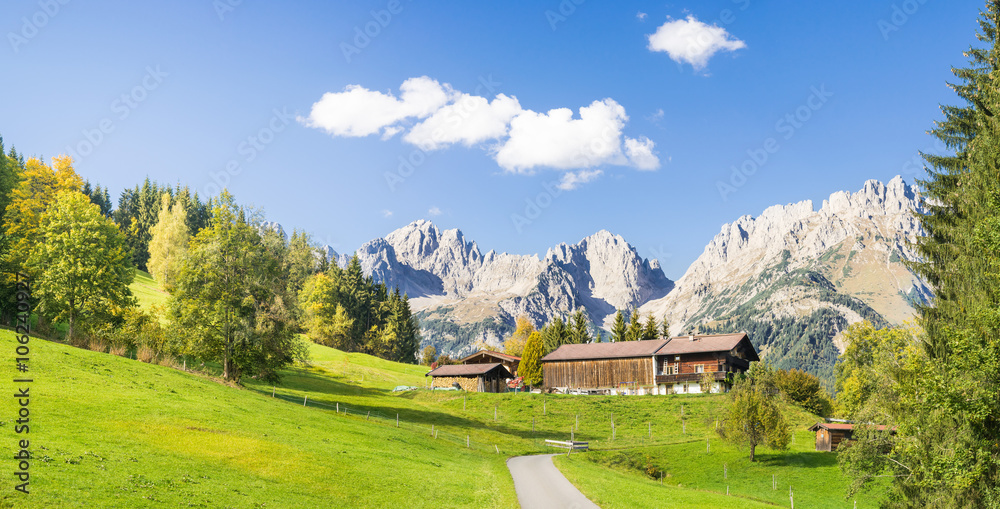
{"x":688,"y":377}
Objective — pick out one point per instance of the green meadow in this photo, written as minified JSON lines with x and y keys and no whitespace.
{"x":108,"y":431}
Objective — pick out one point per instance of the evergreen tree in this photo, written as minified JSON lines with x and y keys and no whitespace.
{"x":554,"y":334}
{"x":83,"y":266}
{"x":531,"y":362}
{"x":664,"y":328}
{"x":634,"y":327}
{"x":650,"y":331}
{"x":580,"y":329}
{"x":946,"y":448}
{"x":619,"y":331}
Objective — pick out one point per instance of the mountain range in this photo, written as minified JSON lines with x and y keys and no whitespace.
{"x":793,"y":277}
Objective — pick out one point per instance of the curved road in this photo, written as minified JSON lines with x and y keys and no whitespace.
{"x":539,"y":484}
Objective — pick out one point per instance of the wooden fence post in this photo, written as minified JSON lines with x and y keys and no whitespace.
{"x":463,"y":402}
{"x":369,"y":415}
{"x":338,"y":407}
{"x":467,"y":444}
{"x":306,"y":400}
{"x":272,"y":392}
{"x":397,"y":420}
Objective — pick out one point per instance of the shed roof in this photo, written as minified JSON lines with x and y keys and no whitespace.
{"x":619,"y":350}
{"x":837,"y":426}
{"x":707,"y":343}
{"x":490,"y":353}
{"x":469,"y":370}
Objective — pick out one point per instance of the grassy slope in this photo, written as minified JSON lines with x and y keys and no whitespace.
{"x":689,"y":465}
{"x":119,"y":432}
{"x":147,"y":291}
{"x":111,"y":432}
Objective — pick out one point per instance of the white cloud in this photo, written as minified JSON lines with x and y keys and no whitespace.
{"x":433,"y":116}
{"x":641,"y":16}
{"x":692,"y":41}
{"x":470,"y":119}
{"x":434,"y":211}
{"x":386,"y":213}
{"x":358,"y":111}
{"x":573,"y":179}
{"x":640,"y":153}
{"x":557,"y":140}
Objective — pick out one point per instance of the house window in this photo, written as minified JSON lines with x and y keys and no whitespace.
{"x":699,"y":368}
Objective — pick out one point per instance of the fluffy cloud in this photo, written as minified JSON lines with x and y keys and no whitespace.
{"x":692,"y":41}
{"x":358,"y":111}
{"x":557,"y":140}
{"x":572,"y":179}
{"x":386,"y":213}
{"x":470,"y":119}
{"x":435,"y":116}
{"x":640,"y":153}
{"x":434,"y":211}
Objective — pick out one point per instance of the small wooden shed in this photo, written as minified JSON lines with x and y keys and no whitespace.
{"x":829,"y":435}
{"x":472,"y":377}
{"x":489,"y":357}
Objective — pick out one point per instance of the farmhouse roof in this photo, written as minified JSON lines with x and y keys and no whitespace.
{"x":839,"y":426}
{"x":490,"y":353}
{"x":707,"y":343}
{"x":469,"y":370}
{"x":677,"y":345}
{"x":619,"y":350}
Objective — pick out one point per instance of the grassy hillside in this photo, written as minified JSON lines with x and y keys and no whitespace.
{"x":147,"y":291}
{"x":113,"y":432}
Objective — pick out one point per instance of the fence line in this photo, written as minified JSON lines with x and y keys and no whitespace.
{"x":614,"y":441}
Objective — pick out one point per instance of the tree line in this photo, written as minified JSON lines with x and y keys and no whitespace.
{"x":239,"y":294}
{"x":936,"y":386}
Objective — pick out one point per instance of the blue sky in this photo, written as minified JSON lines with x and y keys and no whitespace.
{"x":208,"y":92}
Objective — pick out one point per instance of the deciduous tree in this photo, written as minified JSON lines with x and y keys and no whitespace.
{"x":82,"y":265}
{"x":169,"y":243}
{"x":753,"y":416}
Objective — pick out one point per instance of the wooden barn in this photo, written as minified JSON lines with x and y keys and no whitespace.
{"x":472,"y":377}
{"x":487,"y":357}
{"x":601,"y":365}
{"x":829,"y":435}
{"x":675,"y":365}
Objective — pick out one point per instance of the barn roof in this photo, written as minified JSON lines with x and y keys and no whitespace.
{"x":677,"y":345}
{"x":489,"y":353}
{"x":707,"y":343}
{"x":469,"y":370}
{"x":838,"y":426}
{"x":619,"y":350}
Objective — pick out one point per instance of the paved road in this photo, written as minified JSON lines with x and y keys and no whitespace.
{"x":539,"y":484}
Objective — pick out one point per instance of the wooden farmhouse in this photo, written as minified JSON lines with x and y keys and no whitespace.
{"x":829,"y":435}
{"x":666,"y":366}
{"x":487,"y":357}
{"x":472,"y":377}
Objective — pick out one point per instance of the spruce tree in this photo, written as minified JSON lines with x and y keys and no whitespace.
{"x":619,"y":330}
{"x":580,"y":328}
{"x":650,"y":331}
{"x":634,"y":327}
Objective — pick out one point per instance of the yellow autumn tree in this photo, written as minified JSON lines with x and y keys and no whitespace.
{"x":37,"y":189}
{"x":515,"y":343}
{"x":169,"y":243}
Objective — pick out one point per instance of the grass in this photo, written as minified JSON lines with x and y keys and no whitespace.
{"x":705,"y":464}
{"x":147,"y":291}
{"x":113,"y":432}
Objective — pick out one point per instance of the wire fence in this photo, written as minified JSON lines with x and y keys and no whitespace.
{"x":533,"y":441}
